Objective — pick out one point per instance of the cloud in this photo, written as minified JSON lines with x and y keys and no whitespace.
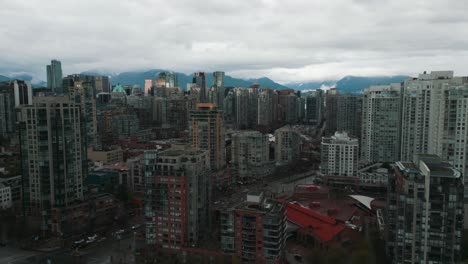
{"x":297,"y":41}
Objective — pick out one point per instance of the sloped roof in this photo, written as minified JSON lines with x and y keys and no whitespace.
{"x":326,"y":228}
{"x":118,"y":89}
{"x":364,"y":200}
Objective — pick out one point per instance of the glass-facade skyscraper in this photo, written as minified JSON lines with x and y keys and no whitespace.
{"x":54,"y":76}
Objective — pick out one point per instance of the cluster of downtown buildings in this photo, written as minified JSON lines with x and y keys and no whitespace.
{"x":81,"y":138}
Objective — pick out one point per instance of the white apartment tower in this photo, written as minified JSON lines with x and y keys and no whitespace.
{"x":339,"y":155}
{"x":434,"y":118}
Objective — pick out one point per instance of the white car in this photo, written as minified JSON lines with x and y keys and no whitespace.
{"x":118,"y":232}
{"x":93,"y":237}
{"x":79,"y":241}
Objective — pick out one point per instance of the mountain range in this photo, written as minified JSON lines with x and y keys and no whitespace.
{"x":348,"y":84}
{"x":24,"y":77}
{"x":139,"y":77}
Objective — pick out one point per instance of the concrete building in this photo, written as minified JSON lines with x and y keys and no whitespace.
{"x":177,"y":207}
{"x":250,"y":155}
{"x":207,"y":132}
{"x":15,"y":185}
{"x":124,"y":125}
{"x":101,"y":84}
{"x":178,"y":113}
{"x":53,"y":153}
{"x":289,"y":103}
{"x":425,"y":212}
{"x":373,"y":175}
{"x":241,"y":108}
{"x":267,"y":107}
{"x":106,"y":156}
{"x":218,"y":84}
{"x":448,"y":131}
{"x":96,"y":213}
{"x":331,"y":108}
{"x":416,"y":105}
{"x":434,"y":118}
{"x":301,"y":109}
{"x":339,"y":155}
{"x":82,"y":92}
{"x":54,"y":76}
{"x":5,"y":197}
{"x":349,"y":114}
{"x":287,"y":145}
{"x":13,"y":94}
{"x":200,"y":81}
{"x":314,"y":107}
{"x":253,"y":91}
{"x":136,"y":171}
{"x":254,"y":230}
{"x":380,"y":139}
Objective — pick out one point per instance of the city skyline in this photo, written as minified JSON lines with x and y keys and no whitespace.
{"x":245,"y":40}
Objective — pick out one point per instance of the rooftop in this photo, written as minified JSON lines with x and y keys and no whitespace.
{"x":326,"y":228}
{"x":429,"y":164}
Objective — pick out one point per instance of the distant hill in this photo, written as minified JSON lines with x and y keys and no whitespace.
{"x":355,"y":84}
{"x":3,"y":78}
{"x":138,"y":77}
{"x":24,"y":77}
{"x":312,"y":85}
{"x":350,"y":84}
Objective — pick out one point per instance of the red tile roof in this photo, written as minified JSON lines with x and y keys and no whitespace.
{"x":326,"y":228}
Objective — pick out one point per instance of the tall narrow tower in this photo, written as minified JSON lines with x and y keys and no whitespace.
{"x":54,"y":76}
{"x":207,"y":132}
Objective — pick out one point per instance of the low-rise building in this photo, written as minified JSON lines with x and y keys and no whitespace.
{"x":373,"y":175}
{"x":5,"y":196}
{"x":106,"y":156}
{"x":14,"y":182}
{"x":97,"y":212}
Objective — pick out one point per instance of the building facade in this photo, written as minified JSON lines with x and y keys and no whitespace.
{"x":54,"y":76}
{"x":82,"y":92}
{"x":314,"y":107}
{"x":331,"y":107}
{"x":287,"y":145}
{"x":267,"y":107}
{"x":177,"y":206}
{"x":5,"y":196}
{"x":380,"y":139}
{"x":207,"y":132}
{"x":254,"y":230}
{"x":425,"y":212}
{"x":13,"y":94}
{"x":349,"y":114}
{"x":339,"y":155}
{"x":250,"y":155}
{"x":434,"y":117}
{"x":199,"y":79}
{"x":53,"y":153}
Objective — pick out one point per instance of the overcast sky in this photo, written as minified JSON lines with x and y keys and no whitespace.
{"x":288,"y":41}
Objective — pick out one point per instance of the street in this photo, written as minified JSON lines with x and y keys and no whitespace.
{"x":96,"y":253}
